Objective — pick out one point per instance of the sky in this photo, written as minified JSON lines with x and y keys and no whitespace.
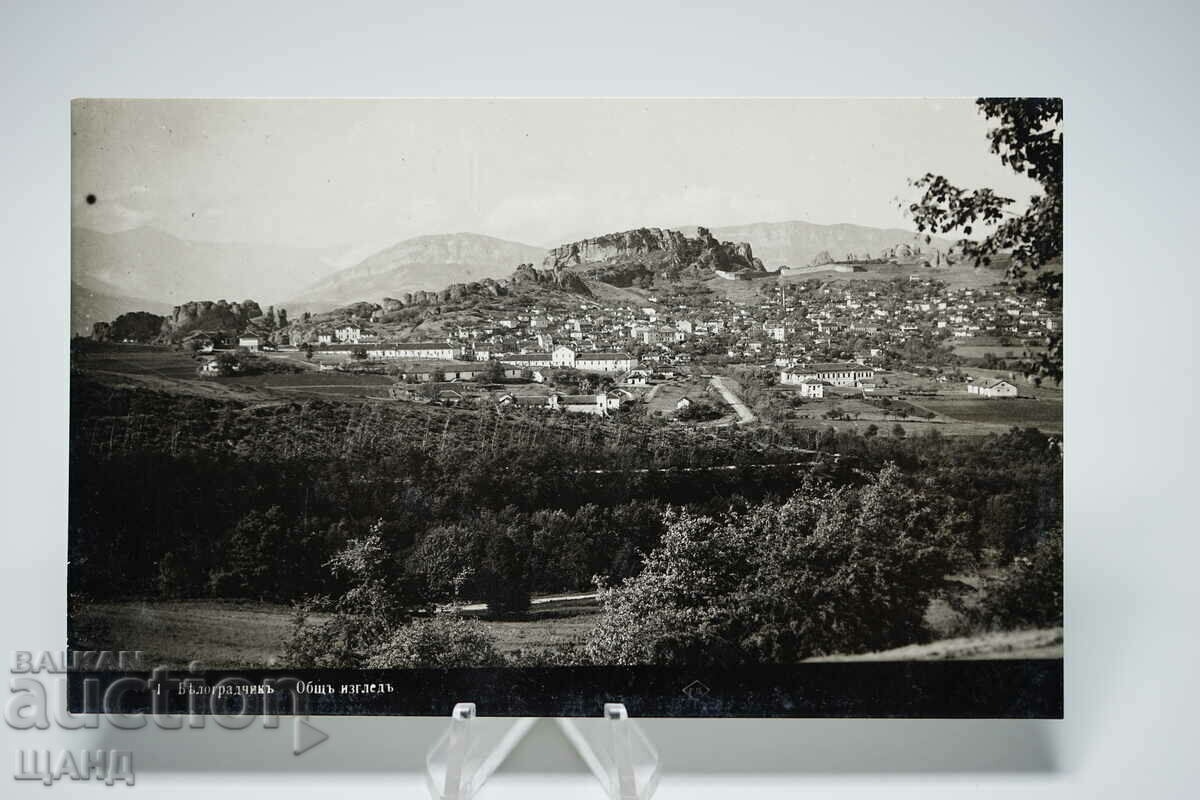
{"x":363,"y":174}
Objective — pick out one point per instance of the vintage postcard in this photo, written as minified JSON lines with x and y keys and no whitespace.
{"x":713,"y":407}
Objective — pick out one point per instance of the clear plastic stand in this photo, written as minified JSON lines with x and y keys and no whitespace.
{"x":615,"y":749}
{"x":469,"y":752}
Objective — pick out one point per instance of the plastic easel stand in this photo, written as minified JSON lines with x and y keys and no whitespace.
{"x":617,"y":752}
{"x":470,"y":750}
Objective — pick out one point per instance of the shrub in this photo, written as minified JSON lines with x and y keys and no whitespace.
{"x":1030,"y":593}
{"x":443,"y":641}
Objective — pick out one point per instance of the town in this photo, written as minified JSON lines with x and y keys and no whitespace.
{"x":804,"y":340}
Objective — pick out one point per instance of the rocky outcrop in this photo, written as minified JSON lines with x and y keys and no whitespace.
{"x":622,"y":259}
{"x":208,"y":315}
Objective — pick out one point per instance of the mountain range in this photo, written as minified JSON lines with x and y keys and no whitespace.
{"x":425,"y":263}
{"x":149,"y":263}
{"x":147,"y":269}
{"x":797,"y":243}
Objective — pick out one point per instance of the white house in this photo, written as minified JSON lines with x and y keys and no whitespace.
{"x":993,"y":389}
{"x":249,"y":342}
{"x":812,"y":388}
{"x":637,"y":377}
{"x":351,"y":334}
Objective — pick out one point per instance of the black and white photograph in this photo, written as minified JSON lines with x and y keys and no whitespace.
{"x":719,"y":407}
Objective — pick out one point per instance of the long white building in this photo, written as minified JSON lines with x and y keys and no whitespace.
{"x":566,"y":357}
{"x":833,"y":374}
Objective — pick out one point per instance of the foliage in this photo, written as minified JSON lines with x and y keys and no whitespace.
{"x":442,"y":641}
{"x":1028,"y":139}
{"x":1030,"y":593}
{"x":830,"y":570}
{"x":378,"y":600}
{"x":136,"y":326}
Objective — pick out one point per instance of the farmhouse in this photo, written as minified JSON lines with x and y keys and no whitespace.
{"x":834,"y":374}
{"x":993,"y":389}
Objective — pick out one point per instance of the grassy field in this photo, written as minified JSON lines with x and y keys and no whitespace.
{"x":1000,"y":351}
{"x":669,"y":393}
{"x":550,"y":626}
{"x":227,"y":633}
{"x":140,"y":360}
{"x":1044,"y":414}
{"x":218,"y":633}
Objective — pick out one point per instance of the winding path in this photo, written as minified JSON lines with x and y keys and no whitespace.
{"x":745,"y":415}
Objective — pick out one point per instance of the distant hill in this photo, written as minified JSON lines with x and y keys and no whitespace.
{"x":426,"y":263}
{"x":148,"y":263}
{"x":95,"y":301}
{"x":798,"y":243}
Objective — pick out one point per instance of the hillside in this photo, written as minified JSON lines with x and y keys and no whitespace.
{"x":94,"y":301}
{"x":166,"y":270}
{"x":426,"y":263}
{"x":798,"y":243}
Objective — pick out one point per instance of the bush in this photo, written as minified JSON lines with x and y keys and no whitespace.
{"x":444,"y":641}
{"x":830,"y":571}
{"x":1030,"y":594}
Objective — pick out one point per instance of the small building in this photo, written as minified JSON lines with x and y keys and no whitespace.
{"x":350,"y":334}
{"x":683,"y":404}
{"x":637,"y":377}
{"x":251,"y":342}
{"x":993,"y":389}
{"x":812,"y":389}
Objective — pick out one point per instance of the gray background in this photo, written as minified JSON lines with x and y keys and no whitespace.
{"x":1128,"y":78}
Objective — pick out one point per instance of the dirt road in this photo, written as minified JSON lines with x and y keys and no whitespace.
{"x":745,"y":415}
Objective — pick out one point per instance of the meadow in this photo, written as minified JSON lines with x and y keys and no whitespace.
{"x":246,"y":633}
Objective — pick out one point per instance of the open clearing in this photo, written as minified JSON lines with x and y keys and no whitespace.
{"x":1035,"y":643}
{"x":1044,"y":414}
{"x":230,"y":633}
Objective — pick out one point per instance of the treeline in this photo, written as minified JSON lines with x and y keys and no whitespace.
{"x":174,"y":496}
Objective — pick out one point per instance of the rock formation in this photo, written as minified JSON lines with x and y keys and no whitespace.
{"x":621,"y":258}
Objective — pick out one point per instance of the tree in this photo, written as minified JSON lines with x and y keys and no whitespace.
{"x":445,"y":641}
{"x":359,"y":353}
{"x":830,"y":571}
{"x":1028,"y":139}
{"x":381,"y":598}
{"x":308,"y":350}
{"x":898,"y":431}
{"x":493,"y":372}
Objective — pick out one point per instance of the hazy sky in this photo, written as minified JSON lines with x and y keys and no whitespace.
{"x":365,"y":174}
